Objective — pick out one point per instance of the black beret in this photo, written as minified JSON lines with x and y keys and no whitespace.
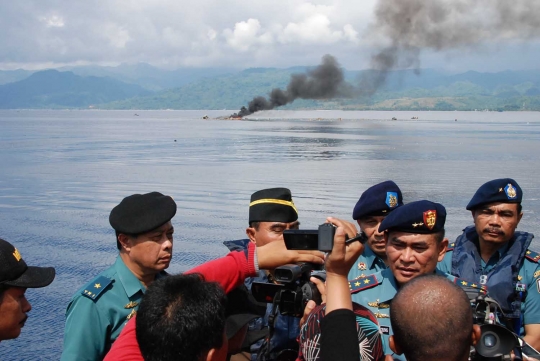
{"x":505,"y":190}
{"x":141,"y":213}
{"x":378,"y":200}
{"x":272,"y":205}
{"x":416,"y":217}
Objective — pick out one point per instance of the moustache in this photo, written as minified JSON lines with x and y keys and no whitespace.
{"x":493,"y":230}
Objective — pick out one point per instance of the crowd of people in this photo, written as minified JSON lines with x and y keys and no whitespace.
{"x":392,"y":295}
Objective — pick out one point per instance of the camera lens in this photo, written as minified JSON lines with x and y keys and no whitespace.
{"x":490,"y":340}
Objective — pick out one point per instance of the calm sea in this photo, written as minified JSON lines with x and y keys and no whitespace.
{"x":63,"y":171}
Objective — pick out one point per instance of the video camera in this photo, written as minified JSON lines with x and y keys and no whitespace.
{"x":496,"y":341}
{"x":293,"y":289}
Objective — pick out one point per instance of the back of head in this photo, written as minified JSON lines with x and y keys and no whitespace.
{"x":181,"y":317}
{"x":444,"y":332}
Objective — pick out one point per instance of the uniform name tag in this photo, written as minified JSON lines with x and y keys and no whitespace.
{"x":385,"y":330}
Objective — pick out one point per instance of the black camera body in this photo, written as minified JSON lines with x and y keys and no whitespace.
{"x":321,"y":239}
{"x":293,"y":289}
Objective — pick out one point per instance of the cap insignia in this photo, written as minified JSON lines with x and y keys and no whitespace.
{"x":500,"y":190}
{"x":510,"y":191}
{"x":17,"y":255}
{"x":362,"y":266}
{"x":430,"y":218}
{"x":391,"y":199}
{"x":275,"y":201}
{"x":417,"y":224}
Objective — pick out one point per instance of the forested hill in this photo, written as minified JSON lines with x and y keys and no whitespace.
{"x":405,"y":90}
{"x":135,"y":87}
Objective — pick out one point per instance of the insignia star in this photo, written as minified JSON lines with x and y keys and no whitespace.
{"x":528,"y":252}
{"x":464,"y":283}
{"x":366,"y":281}
{"x":415,"y":225}
{"x":520,"y":278}
{"x":473,"y":285}
{"x":500,"y":189}
{"x":97,"y":285}
{"x":357,"y":284}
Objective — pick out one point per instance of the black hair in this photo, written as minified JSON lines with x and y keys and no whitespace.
{"x":180,"y":317}
{"x":439,"y":236}
{"x":118,"y":244}
{"x":255,"y":225}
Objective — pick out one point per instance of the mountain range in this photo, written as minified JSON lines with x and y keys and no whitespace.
{"x":141,"y":86}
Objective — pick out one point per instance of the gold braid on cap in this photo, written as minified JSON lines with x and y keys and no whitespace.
{"x":275,"y":201}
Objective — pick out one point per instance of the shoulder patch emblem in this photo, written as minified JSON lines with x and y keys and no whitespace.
{"x":96,"y":287}
{"x":364,"y":283}
{"x":532,"y":256}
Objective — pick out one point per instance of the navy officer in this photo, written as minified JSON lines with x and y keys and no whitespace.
{"x":492,"y":253}
{"x":373,"y":206}
{"x":99,"y":310}
{"x":415,"y":242}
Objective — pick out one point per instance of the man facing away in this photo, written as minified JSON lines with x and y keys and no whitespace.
{"x":99,"y":310}
{"x":271,"y":211}
{"x":446,"y":331}
{"x":15,"y":277}
{"x":371,"y":209}
{"x":493,"y":254}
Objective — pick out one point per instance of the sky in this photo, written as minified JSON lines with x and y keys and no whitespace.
{"x":454,"y":35}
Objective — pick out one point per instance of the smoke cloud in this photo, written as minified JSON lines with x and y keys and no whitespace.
{"x":326,"y":81}
{"x":411,"y":26}
{"x":407,"y":27}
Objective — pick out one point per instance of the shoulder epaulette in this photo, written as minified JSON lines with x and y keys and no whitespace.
{"x":450,"y":246}
{"x":463,"y":283}
{"x":532,"y":256}
{"x":96,"y":287}
{"x":363,"y":283}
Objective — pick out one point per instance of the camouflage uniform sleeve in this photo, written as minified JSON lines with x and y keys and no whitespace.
{"x":86,"y":331}
{"x":531,"y":313}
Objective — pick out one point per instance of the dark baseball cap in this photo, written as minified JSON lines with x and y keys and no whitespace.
{"x":14,"y":271}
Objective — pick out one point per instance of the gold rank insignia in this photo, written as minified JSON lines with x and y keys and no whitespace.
{"x":463,"y":283}
{"x":363,"y":283}
{"x":373,"y":304}
{"x":131,"y":304}
{"x":133,"y":312}
{"x":430,"y":218}
{"x":381,"y":315}
{"x":536,"y":274}
{"x":362,"y":266}
{"x":520,"y":278}
{"x":17,"y":255}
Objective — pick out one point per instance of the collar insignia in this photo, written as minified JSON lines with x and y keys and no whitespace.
{"x":131,"y":304}
{"x":362,"y":266}
{"x":133,"y":312}
{"x":536,"y":274}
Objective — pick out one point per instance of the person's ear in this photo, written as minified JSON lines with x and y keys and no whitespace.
{"x":125,"y":242}
{"x":250,"y":231}
{"x":393,"y":346}
{"x":475,"y":334}
{"x":442,"y":249}
{"x":210,"y":355}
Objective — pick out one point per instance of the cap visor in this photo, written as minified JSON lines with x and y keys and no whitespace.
{"x":34,"y":277}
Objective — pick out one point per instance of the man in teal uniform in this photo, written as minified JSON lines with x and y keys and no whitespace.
{"x":414,"y":235}
{"x":493,"y":254}
{"x":373,"y":206}
{"x":98,"y":311}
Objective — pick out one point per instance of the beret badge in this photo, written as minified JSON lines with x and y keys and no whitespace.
{"x":510,"y":191}
{"x":391,"y":199}
{"x":430,"y":218}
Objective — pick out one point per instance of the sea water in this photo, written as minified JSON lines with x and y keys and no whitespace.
{"x":63,"y":171}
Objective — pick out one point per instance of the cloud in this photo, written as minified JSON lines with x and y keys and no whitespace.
{"x":206,"y":33}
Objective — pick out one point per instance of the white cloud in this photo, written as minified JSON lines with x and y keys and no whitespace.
{"x":53,"y":21}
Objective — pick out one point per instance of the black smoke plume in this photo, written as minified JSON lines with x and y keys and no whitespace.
{"x":410,"y":26}
{"x":326,"y":81}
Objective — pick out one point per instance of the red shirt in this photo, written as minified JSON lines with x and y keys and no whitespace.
{"x":229,"y":271}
